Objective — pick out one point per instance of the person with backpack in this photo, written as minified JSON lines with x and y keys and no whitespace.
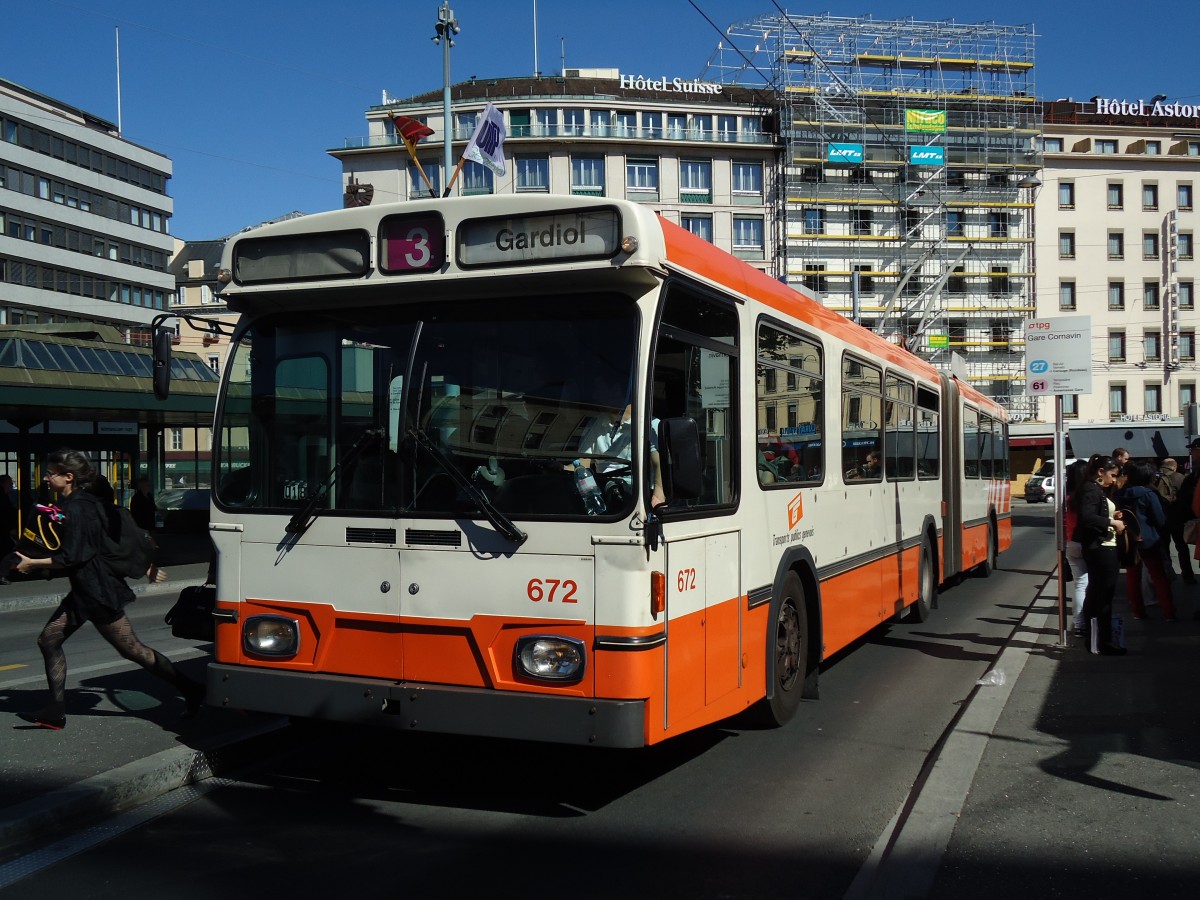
{"x":1181,"y":511}
{"x":98,"y":592}
{"x":1140,"y":502}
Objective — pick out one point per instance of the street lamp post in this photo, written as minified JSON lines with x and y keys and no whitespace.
{"x":446,"y":28}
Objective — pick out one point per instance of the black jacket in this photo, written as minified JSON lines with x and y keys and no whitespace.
{"x":1091,"y":515}
{"x":84,"y":521}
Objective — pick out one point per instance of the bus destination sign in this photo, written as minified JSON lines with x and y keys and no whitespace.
{"x":510,"y":241}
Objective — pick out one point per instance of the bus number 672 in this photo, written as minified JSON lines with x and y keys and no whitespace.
{"x":551,"y":589}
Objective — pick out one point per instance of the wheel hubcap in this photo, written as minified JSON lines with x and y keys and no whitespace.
{"x":787,"y":646}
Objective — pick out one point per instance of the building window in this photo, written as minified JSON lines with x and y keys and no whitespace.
{"x":1116,"y":400}
{"x":1152,"y":344}
{"x":1187,"y":394}
{"x":1116,"y":245}
{"x":476,"y":179}
{"x":176,"y":438}
{"x":860,"y":221}
{"x":1116,"y":295}
{"x":1106,"y":147}
{"x":1149,"y":196}
{"x":532,"y":173}
{"x":1150,"y":295}
{"x":641,"y":175}
{"x":1116,"y":195}
{"x":1052,"y":145}
{"x":1153,"y":148}
{"x":1150,"y":245}
{"x":574,"y":122}
{"x":587,"y":175}
{"x":701,"y":226}
{"x":748,"y":237}
{"x":695,"y":181}
{"x":601,"y":122}
{"x":998,"y":280}
{"x":998,"y":224}
{"x":1187,"y":345}
{"x":1066,"y":195}
{"x":676,"y":127}
{"x":748,"y":179}
{"x":1187,"y":295}
{"x":1153,"y":398}
{"x":652,"y":125}
{"x":1066,"y":245}
{"x":625,"y":124}
{"x":954,"y":223}
{"x":1066,"y":295}
{"x":547,"y":123}
{"x":866,"y":283}
{"x":727,"y":128}
{"x":1184,"y":196}
{"x":1070,"y":405}
{"x":957,"y":282}
{"x":1186,"y":245}
{"x":815,"y":280}
{"x":214,"y":362}
{"x":416,"y":181}
{"x":1116,"y":346}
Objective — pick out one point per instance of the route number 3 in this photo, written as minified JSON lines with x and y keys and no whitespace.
{"x":551,"y":589}
{"x":685,"y":580}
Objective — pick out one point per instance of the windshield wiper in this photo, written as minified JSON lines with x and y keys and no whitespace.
{"x":499,"y":520}
{"x":306,"y":515}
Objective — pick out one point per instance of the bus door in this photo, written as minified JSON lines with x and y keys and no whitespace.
{"x":703,"y":621}
{"x":695,"y":376}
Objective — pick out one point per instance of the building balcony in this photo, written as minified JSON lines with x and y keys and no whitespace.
{"x":581,"y":132}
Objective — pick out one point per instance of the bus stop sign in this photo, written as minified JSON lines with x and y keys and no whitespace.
{"x":1058,"y":356}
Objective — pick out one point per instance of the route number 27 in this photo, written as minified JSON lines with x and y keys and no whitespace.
{"x":551,"y":589}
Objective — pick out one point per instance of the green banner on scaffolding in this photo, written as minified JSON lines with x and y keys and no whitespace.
{"x":925,"y":121}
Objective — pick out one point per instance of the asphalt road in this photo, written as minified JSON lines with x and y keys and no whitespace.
{"x":729,"y":812}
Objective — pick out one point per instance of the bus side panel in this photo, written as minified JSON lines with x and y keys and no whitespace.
{"x":846,"y":616}
{"x":974,"y":544}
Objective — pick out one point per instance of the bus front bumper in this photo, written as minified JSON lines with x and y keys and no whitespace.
{"x":439,"y":708}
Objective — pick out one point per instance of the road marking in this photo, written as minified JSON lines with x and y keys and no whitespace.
{"x":9,"y":668}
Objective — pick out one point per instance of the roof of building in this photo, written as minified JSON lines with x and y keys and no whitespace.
{"x":558,"y":85}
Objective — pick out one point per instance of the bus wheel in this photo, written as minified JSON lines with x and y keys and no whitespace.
{"x":791,"y":652}
{"x":920,"y":610}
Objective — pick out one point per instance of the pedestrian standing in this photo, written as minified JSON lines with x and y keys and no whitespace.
{"x":97,"y":593}
{"x":1096,"y":530}
{"x":1139,"y":499}
{"x":1072,"y":548}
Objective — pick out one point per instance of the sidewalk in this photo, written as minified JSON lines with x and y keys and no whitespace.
{"x":131,"y":745}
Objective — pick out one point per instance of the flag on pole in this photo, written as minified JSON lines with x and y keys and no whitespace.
{"x":411,"y":131}
{"x":487,"y":143}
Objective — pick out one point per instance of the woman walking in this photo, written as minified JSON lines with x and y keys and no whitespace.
{"x":1096,"y":531}
{"x":97,"y":594}
{"x":1138,"y":498}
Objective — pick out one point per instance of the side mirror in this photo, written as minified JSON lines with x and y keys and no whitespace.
{"x":680,"y":457}
{"x":161,"y":373}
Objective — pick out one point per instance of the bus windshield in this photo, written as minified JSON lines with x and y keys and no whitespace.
{"x":506,"y":392}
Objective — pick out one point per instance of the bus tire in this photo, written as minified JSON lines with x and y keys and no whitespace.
{"x":790,"y":649}
{"x":926,"y":588}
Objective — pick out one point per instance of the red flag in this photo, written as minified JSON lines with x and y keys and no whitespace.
{"x":410,"y":130}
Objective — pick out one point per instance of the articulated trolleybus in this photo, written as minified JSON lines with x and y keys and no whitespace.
{"x":444,"y":438}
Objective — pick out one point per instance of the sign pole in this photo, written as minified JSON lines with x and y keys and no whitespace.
{"x":1060,"y":487}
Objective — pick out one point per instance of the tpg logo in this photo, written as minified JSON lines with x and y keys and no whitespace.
{"x":795,"y":511}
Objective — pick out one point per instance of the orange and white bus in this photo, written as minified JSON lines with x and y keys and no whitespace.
{"x":444,"y":432}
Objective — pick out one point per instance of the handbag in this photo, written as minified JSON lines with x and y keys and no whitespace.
{"x":191,"y":616}
{"x":1191,"y":531}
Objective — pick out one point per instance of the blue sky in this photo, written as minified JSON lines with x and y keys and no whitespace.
{"x":247,"y":97}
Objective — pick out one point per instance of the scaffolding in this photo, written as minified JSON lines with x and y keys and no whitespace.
{"x":908,"y":178}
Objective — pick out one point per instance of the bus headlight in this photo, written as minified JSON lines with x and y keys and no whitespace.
{"x":271,"y":636}
{"x":550,"y":658}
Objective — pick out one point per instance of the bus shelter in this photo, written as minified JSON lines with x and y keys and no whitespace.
{"x":85,"y":387}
